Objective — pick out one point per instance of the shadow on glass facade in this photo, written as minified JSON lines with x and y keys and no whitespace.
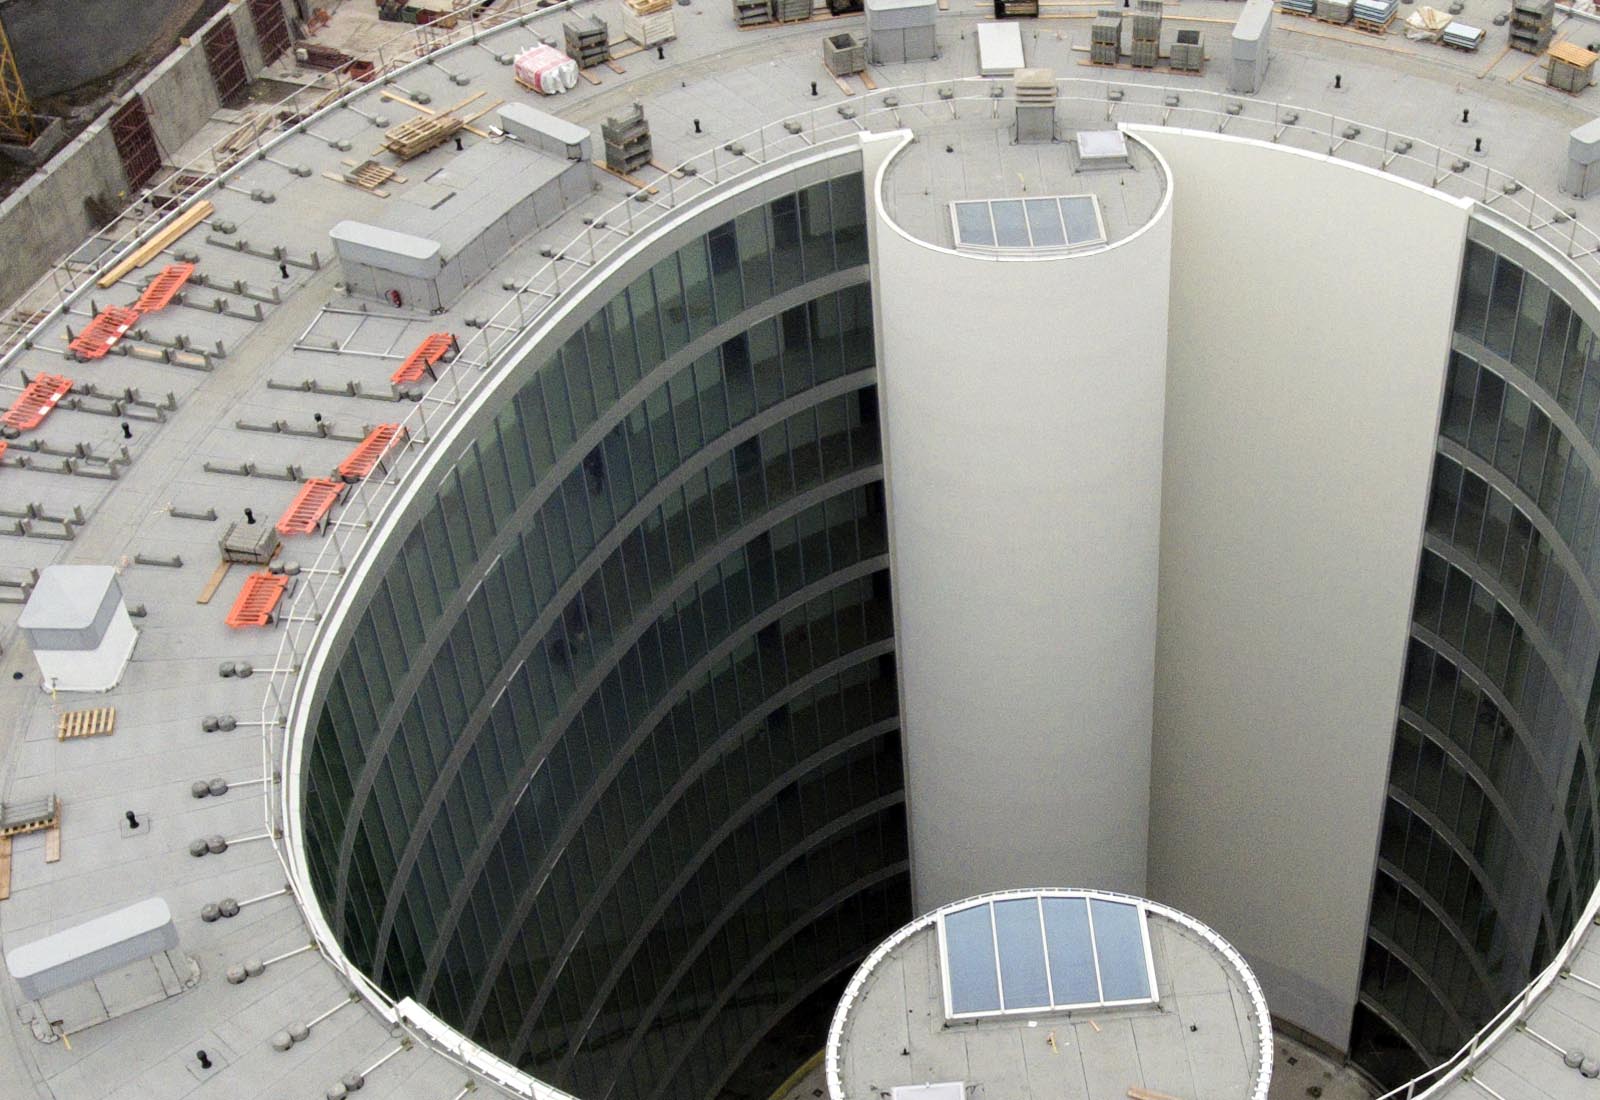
{"x":1487,"y":852}
{"x":608,"y":774}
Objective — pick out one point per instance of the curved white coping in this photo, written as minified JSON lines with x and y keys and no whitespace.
{"x":309,"y":615}
{"x":880,"y":184}
{"x":1258,"y":1001}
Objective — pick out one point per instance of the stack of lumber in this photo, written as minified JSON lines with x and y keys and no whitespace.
{"x":148,"y":251}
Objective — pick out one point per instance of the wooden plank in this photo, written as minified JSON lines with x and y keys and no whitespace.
{"x":843,"y":86}
{"x":625,"y":178}
{"x":590,"y":77}
{"x":152,"y":248}
{"x":611,"y":63}
{"x":866,"y":78}
{"x":52,"y":842}
{"x":218,"y":575}
{"x":5,"y":867}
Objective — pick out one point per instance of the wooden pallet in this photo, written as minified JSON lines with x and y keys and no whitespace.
{"x":93,"y":722}
{"x":31,"y":820}
{"x":416,"y":136}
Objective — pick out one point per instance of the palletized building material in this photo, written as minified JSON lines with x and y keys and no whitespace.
{"x":1147,"y":21}
{"x":1144,"y":54}
{"x":1188,"y":53}
{"x":546,"y":70}
{"x":588,"y":41}
{"x":1105,"y":37}
{"x":1300,"y":7}
{"x":752,"y":13}
{"x":1570,"y":67}
{"x":649,"y":21}
{"x":791,"y":11}
{"x":1462,"y":36}
{"x":627,"y":141}
{"x":1374,"y":14}
{"x":843,"y":54}
{"x":1335,"y":11}
{"x":1532,"y":23}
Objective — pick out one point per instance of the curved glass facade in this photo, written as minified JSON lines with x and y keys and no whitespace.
{"x":1487,"y":852}
{"x":608,"y":773}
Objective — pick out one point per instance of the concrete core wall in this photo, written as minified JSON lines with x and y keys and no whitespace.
{"x":1023,"y":464}
{"x":1306,"y":368}
{"x":47,"y":217}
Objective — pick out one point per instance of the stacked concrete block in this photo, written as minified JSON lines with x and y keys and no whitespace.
{"x":1105,"y":37}
{"x":1146,"y":47}
{"x":1188,"y":52}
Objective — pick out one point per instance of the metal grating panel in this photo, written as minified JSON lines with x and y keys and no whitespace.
{"x":228,"y":75}
{"x":136,"y":143}
{"x":272,"y":30}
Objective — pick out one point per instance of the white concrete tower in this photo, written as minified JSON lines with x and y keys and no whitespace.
{"x":1023,"y":380}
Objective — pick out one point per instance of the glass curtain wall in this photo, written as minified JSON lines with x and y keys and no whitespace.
{"x":609,"y":773}
{"x":1487,"y":852}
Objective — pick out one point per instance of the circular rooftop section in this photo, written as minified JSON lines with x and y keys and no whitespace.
{"x":968,"y":185}
{"x":1029,"y":994}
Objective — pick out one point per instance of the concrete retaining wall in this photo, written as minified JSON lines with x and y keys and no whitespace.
{"x":46,"y":218}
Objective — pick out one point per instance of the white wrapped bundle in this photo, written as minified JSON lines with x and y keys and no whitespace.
{"x":546,"y":70}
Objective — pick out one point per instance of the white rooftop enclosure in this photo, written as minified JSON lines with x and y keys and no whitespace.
{"x":79,"y":630}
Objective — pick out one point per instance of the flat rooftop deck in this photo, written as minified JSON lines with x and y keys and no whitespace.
{"x":1198,"y":1042}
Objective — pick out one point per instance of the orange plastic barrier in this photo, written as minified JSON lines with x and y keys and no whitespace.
{"x":257,"y":599}
{"x":370,"y":451}
{"x":36,"y":401}
{"x":421,"y":361}
{"x":310,"y":507}
{"x":102,"y":333}
{"x":164,"y":287}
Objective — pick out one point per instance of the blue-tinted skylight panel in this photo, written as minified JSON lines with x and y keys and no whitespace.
{"x":1119,"y":941}
{"x":1066,"y":924}
{"x":1010,"y":225}
{"x":1044,"y":221}
{"x":972,"y":224}
{"x":1083,"y":223}
{"x":1022,"y":975}
{"x":969,"y":943}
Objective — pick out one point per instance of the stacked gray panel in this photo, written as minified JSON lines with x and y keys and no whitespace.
{"x":1105,"y":37}
{"x":1335,"y":11}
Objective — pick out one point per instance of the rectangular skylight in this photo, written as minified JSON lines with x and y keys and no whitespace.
{"x":1043,"y":952}
{"x":1048,"y":223}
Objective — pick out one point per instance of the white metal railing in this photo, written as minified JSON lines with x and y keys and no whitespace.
{"x":1434,"y":1081}
{"x":1261,"y":1073}
{"x":1084,"y":102}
